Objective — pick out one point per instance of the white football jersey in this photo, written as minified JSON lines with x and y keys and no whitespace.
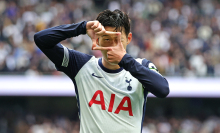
{"x":109,"y":102}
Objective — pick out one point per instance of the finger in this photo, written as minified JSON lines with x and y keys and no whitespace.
{"x":119,"y":39}
{"x":101,"y":32}
{"x":102,"y":48}
{"x":111,"y":33}
{"x":109,"y":57}
{"x":99,"y":28}
{"x":109,"y":53}
{"x":93,"y":43}
{"x":96,"y":24}
{"x":90,"y":24}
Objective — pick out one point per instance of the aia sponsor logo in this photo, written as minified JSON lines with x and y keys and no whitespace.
{"x":120,"y":107}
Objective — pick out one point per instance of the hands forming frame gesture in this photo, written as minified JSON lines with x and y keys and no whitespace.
{"x":116,"y":52}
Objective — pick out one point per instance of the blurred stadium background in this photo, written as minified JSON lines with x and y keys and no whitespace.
{"x":182,"y":38}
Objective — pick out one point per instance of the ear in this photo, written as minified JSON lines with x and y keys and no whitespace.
{"x":129,"y":37}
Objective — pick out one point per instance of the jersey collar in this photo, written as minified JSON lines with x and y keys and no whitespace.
{"x":108,"y":70}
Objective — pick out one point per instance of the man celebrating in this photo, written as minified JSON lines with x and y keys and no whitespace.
{"x":111,"y":91}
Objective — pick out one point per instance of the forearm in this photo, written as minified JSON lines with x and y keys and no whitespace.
{"x":50,"y":37}
{"x":152,"y":81}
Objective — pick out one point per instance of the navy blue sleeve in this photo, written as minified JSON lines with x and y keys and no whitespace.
{"x":65,"y":60}
{"x":151,"y":80}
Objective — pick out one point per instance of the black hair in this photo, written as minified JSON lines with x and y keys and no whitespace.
{"x":116,"y":18}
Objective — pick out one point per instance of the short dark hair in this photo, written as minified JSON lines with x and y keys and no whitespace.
{"x":116,"y":18}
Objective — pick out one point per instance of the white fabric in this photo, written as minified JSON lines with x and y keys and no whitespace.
{"x":95,"y":120}
{"x":65,"y":57}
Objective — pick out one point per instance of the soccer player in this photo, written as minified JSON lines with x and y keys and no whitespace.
{"x":111,"y":91}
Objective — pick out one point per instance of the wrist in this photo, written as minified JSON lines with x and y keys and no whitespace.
{"x":121,"y":57}
{"x":84,"y":27}
{"x":125,"y":56}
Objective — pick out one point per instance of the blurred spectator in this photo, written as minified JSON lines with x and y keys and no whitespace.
{"x":182,"y":38}
{"x":43,"y":124}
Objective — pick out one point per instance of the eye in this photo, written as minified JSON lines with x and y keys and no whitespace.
{"x":107,"y":40}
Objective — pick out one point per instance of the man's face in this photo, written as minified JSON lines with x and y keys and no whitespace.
{"x":112,"y":40}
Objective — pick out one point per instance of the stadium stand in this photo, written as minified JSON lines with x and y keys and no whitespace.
{"x":181,"y":38}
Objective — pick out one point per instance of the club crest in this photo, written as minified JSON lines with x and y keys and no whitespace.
{"x":129,"y":86}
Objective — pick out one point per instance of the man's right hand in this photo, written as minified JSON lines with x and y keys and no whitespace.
{"x":94,"y":29}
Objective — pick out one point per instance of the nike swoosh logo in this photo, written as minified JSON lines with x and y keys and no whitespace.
{"x":93,"y":74}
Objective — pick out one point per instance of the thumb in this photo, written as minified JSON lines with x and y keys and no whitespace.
{"x":93,"y":43}
{"x":119,"y":39}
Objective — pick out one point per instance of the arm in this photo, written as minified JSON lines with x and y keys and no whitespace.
{"x":68,"y":61}
{"x":151,"y":80}
{"x":48,"y":38}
